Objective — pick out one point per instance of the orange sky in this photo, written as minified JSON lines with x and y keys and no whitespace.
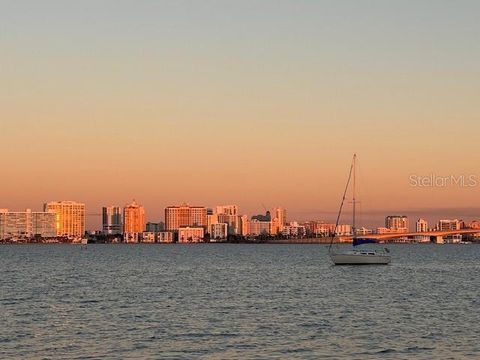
{"x":167,"y":103}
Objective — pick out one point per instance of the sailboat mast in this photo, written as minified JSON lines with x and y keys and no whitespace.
{"x":341,"y":204}
{"x":353,"y":197}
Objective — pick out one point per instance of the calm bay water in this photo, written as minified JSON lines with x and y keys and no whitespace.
{"x":237,"y":301}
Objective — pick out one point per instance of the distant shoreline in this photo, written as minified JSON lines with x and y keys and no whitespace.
{"x":306,"y":241}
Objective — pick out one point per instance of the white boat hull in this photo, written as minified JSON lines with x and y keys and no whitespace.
{"x":360,"y":259}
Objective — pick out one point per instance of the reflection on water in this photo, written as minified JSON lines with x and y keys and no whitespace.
{"x":237,"y":301}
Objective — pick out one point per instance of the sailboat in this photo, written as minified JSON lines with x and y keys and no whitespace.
{"x":356,"y":256}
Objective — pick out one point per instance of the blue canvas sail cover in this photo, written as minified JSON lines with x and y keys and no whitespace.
{"x":361,"y":241}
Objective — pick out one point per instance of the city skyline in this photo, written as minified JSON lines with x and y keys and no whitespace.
{"x":64,"y":221}
{"x":95,"y":218}
{"x":202,"y":179}
{"x":177,"y":101}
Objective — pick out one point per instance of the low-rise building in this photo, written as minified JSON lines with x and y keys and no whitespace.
{"x":164,"y":237}
{"x":344,"y":230}
{"x":384,"y":230}
{"x":132,"y":237}
{"x":149,"y":237}
{"x":319,"y":228}
{"x":363,"y":231}
{"x":190,"y":234}
{"x":157,"y":237}
{"x":218,"y":231}
{"x":293,"y":229}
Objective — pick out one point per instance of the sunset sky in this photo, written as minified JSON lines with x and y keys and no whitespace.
{"x":244,"y":102}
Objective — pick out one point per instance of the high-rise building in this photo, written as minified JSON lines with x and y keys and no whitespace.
{"x":228,"y":214}
{"x":260,"y":227}
{"x":212,"y":219}
{"x":280,"y":214}
{"x":218,"y":231}
{"x":447,"y":225}
{"x":43,"y":224}
{"x":261,"y":224}
{"x":133,"y":218}
{"x":69,"y":217}
{"x":279,"y":219}
{"x":26,"y":224}
{"x":421,"y":225}
{"x":234,"y":223}
{"x":245,"y":225}
{"x":227,"y":209}
{"x":260,"y":217}
{"x":185,"y":216}
{"x":112,"y":220}
{"x":398,"y":223}
{"x":276,"y":228}
{"x":155,"y":227}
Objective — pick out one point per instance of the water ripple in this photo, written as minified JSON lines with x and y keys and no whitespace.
{"x":236,"y":302}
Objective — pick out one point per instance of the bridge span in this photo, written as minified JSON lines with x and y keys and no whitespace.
{"x":437,"y":236}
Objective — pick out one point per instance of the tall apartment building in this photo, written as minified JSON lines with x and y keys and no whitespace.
{"x":133,"y":218}
{"x":69,"y":217}
{"x":280,"y":214}
{"x":112,"y":220}
{"x":261,"y":224}
{"x":226,"y":209}
{"x":218,"y":231}
{"x":212,"y":219}
{"x":26,"y":224}
{"x":155,"y":227}
{"x":279,"y":220}
{"x":185,"y":216}
{"x":245,"y":225}
{"x":260,"y":227}
{"x":228,"y":214}
{"x":447,"y":224}
{"x":421,"y":225}
{"x":397,"y":223}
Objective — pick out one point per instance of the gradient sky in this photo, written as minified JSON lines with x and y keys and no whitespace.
{"x":246,"y":102}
